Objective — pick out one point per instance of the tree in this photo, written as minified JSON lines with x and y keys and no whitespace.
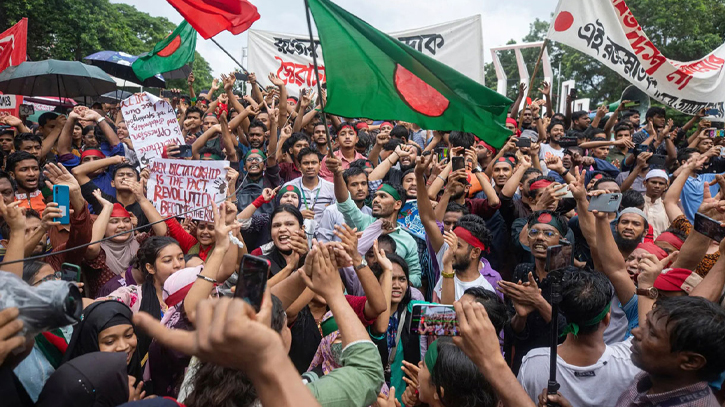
{"x":73,"y":29}
{"x":682,"y":30}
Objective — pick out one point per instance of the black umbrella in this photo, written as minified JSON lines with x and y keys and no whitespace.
{"x":114,"y":97}
{"x":55,"y":78}
{"x":119,"y":64}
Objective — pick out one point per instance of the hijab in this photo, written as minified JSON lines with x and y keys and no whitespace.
{"x":97,"y":317}
{"x":120,"y":254}
{"x":96,"y":379}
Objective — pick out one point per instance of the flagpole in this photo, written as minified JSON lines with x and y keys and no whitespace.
{"x":317,"y":76}
{"x":531,"y":82}
{"x":229,"y":55}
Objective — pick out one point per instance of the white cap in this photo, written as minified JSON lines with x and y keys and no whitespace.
{"x":657,"y":173}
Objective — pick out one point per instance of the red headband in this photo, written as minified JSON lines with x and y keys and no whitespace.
{"x":291,"y":100}
{"x":386,"y":123}
{"x":671,"y":239}
{"x":92,"y":152}
{"x":542,"y":183}
{"x":346,"y":126}
{"x":119,"y":211}
{"x":467,"y":237}
{"x":488,"y":147}
{"x":506,"y":160}
{"x":362,"y":125}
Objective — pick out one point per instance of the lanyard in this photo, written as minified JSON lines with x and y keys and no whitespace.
{"x":304,"y":198}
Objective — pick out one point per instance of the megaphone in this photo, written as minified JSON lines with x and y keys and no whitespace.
{"x":638,"y":101}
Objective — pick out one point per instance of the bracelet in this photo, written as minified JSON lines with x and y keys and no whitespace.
{"x":448,"y":275}
{"x":100,"y":120}
{"x":442,"y":179}
{"x":563,"y":174}
{"x":205,"y":278}
{"x":360,"y":267}
{"x":233,"y":239}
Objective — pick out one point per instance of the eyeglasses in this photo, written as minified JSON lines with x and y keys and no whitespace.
{"x":534,"y":232}
{"x":50,"y":277}
{"x":254,"y":159}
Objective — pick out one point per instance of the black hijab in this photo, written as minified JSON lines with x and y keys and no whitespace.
{"x":96,"y":379}
{"x":97,"y":317}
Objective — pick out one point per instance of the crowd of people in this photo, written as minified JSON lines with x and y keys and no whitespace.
{"x":360,"y":222}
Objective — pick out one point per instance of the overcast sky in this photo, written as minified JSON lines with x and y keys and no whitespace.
{"x":501,"y":20}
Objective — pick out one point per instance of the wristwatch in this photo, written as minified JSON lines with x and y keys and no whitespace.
{"x":651,"y":292}
{"x":101,"y":119}
{"x":477,"y":169}
{"x":360,"y":267}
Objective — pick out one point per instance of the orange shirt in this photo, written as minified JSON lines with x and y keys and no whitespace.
{"x":33,"y":201}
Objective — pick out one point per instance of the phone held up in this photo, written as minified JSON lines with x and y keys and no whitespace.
{"x":709,"y":227}
{"x":558,"y":257}
{"x":61,"y":196}
{"x":458,"y":163}
{"x":608,"y":203}
{"x":70,"y":272}
{"x":253,"y":274}
{"x":434,"y":320}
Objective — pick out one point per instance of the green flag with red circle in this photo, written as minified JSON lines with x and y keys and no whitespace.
{"x":370,"y":74}
{"x":173,"y":52}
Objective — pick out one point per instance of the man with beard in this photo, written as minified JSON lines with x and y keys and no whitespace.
{"x":356,"y":180}
{"x":530,"y":303}
{"x":402,"y":154}
{"x":630,"y":228}
{"x":656,"y":118}
{"x":555,"y":132}
{"x":262,"y":172}
{"x":459,"y":256}
{"x":579,"y":123}
{"x":256,"y":134}
{"x":25,"y":170}
{"x":386,"y":206}
{"x":656,"y":183}
{"x":319,"y":138}
{"x":346,"y":138}
{"x":484,"y":153}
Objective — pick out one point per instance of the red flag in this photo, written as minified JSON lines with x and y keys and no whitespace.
{"x":13,"y":44}
{"x":210,"y":17}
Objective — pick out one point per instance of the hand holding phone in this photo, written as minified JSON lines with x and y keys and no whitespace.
{"x":523,"y":142}
{"x":434,"y":320}
{"x":709,"y":227}
{"x":608,"y":203}
{"x":61,"y":196}
{"x":253,"y":274}
{"x":184,"y":151}
{"x":558,"y":256}
{"x":458,"y":163}
{"x":70,"y":272}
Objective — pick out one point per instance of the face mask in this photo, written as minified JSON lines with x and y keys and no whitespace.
{"x":336,"y":351}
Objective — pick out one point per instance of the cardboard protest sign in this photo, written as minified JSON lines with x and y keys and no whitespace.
{"x":178,"y":186}
{"x":151,"y":124}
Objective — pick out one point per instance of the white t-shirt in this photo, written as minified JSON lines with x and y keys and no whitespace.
{"x":600,"y":384}
{"x":462,"y":286}
{"x":547,"y":151}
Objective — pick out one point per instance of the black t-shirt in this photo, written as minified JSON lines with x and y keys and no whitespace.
{"x":306,"y":337}
{"x":96,"y":207}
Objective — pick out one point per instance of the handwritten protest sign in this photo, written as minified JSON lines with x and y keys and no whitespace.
{"x":151,"y":124}
{"x":177,"y":186}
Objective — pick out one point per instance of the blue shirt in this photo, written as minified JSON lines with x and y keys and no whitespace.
{"x":692,"y":194}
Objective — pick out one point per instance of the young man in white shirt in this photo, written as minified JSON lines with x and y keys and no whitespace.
{"x":467,"y":243}
{"x":590,"y":372}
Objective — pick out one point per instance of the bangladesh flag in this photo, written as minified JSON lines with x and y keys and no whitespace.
{"x":172,"y":53}
{"x":370,"y":74}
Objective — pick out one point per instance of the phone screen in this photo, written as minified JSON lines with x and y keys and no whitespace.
{"x":252,"y":280}
{"x":458,"y":163}
{"x":558,"y":256}
{"x":709,"y":227}
{"x":712,"y":112}
{"x":184,"y":151}
{"x":442,"y":153}
{"x":70,"y":272}
{"x":523,"y":142}
{"x":61,"y":196}
{"x":434,"y":320}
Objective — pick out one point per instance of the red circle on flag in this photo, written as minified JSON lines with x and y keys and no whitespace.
{"x":171,"y":48}
{"x":544,"y":218}
{"x":563,"y":21}
{"x":417,"y":94}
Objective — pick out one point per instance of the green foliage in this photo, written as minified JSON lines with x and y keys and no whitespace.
{"x":73,"y":29}
{"x":682,"y":30}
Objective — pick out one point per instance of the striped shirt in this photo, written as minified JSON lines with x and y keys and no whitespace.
{"x":694,"y":395}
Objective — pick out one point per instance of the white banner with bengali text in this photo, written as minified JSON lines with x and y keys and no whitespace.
{"x":607,"y":31}
{"x":178,"y":186}
{"x":151,"y":125}
{"x":458,"y":44}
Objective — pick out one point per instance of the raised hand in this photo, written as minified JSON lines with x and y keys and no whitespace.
{"x":349,"y":241}
{"x":276,"y":81}
{"x":383,"y":260}
{"x":101,"y":200}
{"x":57,"y":174}
{"x":452,"y":240}
{"x":190,"y":79}
{"x":525,"y":296}
{"x":269,"y":193}
{"x":422,"y":164}
{"x":545,"y":88}
{"x":50,"y":213}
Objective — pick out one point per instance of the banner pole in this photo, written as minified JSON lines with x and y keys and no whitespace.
{"x":317,"y":77}
{"x":531,"y":81}
{"x":229,"y":55}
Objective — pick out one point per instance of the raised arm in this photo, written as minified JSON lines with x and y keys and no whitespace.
{"x":65,"y":141}
{"x":384,"y":167}
{"x":514,"y":110}
{"x":641,"y":165}
{"x":227,"y":139}
{"x":612,"y":262}
{"x":99,"y":226}
{"x":200,"y":142}
{"x":512,"y":184}
{"x":49,"y":142}
{"x":15,"y":250}
{"x":448,"y":284}
{"x":81,"y":172}
{"x":305,"y":100}
{"x":381,"y":139}
{"x":106,"y":128}
{"x":386,"y":284}
{"x":154,"y":217}
{"x":695,"y":246}
{"x":425,"y":209}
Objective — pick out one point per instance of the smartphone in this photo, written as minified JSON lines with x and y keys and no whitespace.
{"x":458,"y":163}
{"x":253,"y":274}
{"x":632,"y":104}
{"x":523,"y":142}
{"x":442,"y":153}
{"x":573,"y":93}
{"x":709,"y":227}
{"x":167,"y":94}
{"x":717,"y":133}
{"x":61,"y":196}
{"x":558,"y":256}
{"x":184,"y":151}
{"x":712,"y":112}
{"x":568,"y":142}
{"x":608,"y":203}
{"x":70,"y":272}
{"x":639,"y":149}
{"x":568,"y":193}
{"x":434,"y":320}
{"x":241,"y":76}
{"x":657,"y":161}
